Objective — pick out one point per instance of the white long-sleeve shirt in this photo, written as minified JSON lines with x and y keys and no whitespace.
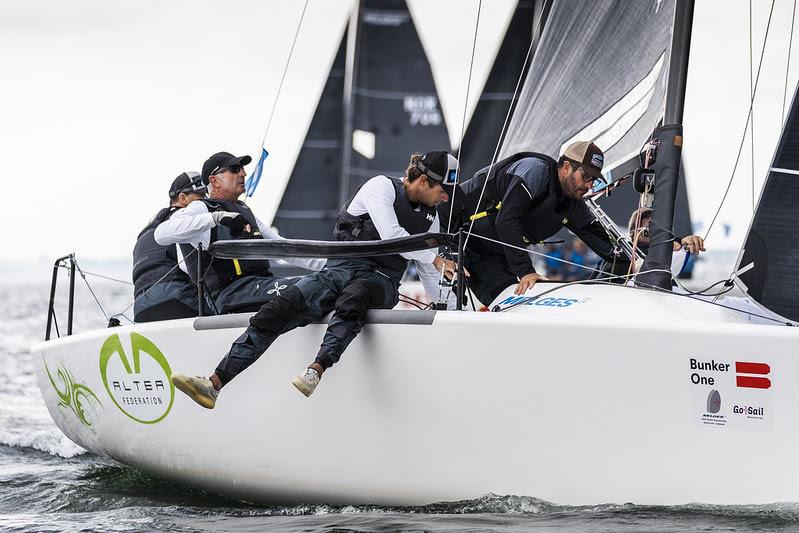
{"x":192,"y":225}
{"x":377,"y":197}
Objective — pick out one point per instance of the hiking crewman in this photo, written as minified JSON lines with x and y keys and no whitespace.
{"x":383,"y":208}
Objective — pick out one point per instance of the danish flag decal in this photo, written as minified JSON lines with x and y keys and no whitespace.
{"x":757,"y":381}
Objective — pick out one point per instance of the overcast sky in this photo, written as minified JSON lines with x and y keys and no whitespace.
{"x":104,"y":102}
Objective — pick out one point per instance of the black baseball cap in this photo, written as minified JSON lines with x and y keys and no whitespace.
{"x":187,"y":182}
{"x":222,"y":160}
{"x":439,"y":166}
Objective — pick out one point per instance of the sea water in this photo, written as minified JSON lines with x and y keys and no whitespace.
{"x":48,"y":483}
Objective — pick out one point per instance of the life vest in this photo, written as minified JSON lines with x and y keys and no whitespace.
{"x":361,"y":228}
{"x":219,"y":273}
{"x":151,"y":261}
{"x":547,"y":215}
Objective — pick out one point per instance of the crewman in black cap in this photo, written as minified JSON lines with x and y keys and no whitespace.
{"x":383,"y":208}
{"x":233,"y":285}
{"x":162,"y":290}
{"x":522,"y":200}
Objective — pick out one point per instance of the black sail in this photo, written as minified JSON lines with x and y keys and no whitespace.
{"x":772,"y":243}
{"x":395,"y":105}
{"x":310,"y":201}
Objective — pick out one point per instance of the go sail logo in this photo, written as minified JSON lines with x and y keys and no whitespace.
{"x":140,"y":385}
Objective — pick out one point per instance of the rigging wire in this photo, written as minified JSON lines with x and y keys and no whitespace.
{"x":109,"y":278}
{"x":788,"y":62}
{"x":504,"y":128}
{"x":534,"y":252}
{"x":752,"y":96}
{"x":746,"y":126}
{"x":463,"y":120}
{"x":460,"y":146}
{"x":84,"y":273}
{"x":77,"y":266}
{"x":283,"y":77}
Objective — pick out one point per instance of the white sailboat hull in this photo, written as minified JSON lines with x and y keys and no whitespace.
{"x":554,"y":400}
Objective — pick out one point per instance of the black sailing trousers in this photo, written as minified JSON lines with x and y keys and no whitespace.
{"x":348,"y":288}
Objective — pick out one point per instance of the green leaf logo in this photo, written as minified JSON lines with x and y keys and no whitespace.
{"x":71,"y":394}
{"x":139,"y":386}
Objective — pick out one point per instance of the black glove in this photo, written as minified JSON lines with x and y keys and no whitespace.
{"x":234,"y":221}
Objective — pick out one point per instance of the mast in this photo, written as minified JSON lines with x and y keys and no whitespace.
{"x":656,"y":270}
{"x":350,"y":75}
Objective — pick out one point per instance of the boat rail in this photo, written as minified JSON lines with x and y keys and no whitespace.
{"x":51,"y":317}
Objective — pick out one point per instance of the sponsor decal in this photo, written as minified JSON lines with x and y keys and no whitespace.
{"x":713,"y":401}
{"x":541,"y":302}
{"x":752,"y":382}
{"x":742,"y":384}
{"x":276,"y":289}
{"x":711,"y":416}
{"x":72,"y":395}
{"x":749,"y":411}
{"x":138,"y":385}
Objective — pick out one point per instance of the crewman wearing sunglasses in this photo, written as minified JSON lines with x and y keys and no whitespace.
{"x":231,"y":285}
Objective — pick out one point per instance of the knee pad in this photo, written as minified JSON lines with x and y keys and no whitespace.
{"x":358,"y":297}
{"x":273,"y":316}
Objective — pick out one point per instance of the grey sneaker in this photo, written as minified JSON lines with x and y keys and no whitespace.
{"x":199,"y":389}
{"x":307,"y":382}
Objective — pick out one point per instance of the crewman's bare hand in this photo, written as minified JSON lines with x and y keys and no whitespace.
{"x":692,"y":243}
{"x":527,"y":282}
{"x":448,"y":268}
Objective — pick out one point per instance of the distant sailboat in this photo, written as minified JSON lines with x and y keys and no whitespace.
{"x":378,"y":106}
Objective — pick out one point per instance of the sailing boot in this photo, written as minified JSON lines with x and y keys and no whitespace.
{"x":198,"y":388}
{"x":307,"y":382}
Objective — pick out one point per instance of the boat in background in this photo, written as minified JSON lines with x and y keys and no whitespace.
{"x":687,"y":398}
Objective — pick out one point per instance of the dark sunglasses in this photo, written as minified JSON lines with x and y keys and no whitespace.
{"x":234,"y":169}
